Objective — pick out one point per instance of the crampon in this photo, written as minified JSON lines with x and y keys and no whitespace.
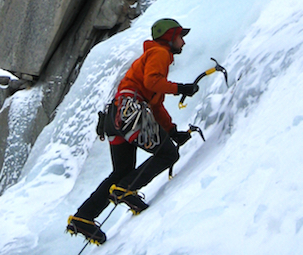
{"x":131,"y":198}
{"x":89,"y":229}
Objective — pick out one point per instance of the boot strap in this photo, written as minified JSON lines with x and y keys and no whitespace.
{"x":125,"y":194}
{"x":70,"y":218}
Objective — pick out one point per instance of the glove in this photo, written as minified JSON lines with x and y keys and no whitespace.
{"x":180,"y":137}
{"x":188,"y":89}
{"x":100,"y":126}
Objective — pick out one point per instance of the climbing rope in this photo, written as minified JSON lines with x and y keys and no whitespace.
{"x":127,"y":192}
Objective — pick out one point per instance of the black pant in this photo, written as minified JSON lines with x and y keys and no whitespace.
{"x":125,"y":175}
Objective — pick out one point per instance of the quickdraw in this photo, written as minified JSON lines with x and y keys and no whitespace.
{"x":133,"y":115}
{"x":149,"y":134}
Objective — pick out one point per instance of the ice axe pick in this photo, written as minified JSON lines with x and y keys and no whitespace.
{"x":193,"y":128}
{"x":218,"y":68}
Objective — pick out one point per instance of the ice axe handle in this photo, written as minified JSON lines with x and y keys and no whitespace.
{"x":181,"y":103}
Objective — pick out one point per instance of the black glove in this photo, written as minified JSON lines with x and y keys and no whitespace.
{"x":180,"y":137}
{"x":100,"y":126}
{"x":188,"y":89}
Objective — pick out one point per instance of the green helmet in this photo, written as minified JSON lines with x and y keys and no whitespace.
{"x":160,"y":27}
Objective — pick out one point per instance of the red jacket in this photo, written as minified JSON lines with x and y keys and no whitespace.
{"x":148,"y":76}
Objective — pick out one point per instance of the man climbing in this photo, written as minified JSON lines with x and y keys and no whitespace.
{"x":137,"y":118}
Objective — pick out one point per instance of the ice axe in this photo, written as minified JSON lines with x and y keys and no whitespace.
{"x":191,"y":129}
{"x":218,"y":68}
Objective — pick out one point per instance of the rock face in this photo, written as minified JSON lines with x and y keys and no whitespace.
{"x":33,"y":32}
{"x":44,"y":44}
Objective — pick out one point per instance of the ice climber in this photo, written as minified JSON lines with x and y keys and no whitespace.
{"x":137,"y":118}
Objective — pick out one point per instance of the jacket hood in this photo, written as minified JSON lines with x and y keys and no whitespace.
{"x":151,"y":44}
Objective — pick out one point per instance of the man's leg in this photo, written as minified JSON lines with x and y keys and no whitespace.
{"x":164,"y":155}
{"x":124,"y":161}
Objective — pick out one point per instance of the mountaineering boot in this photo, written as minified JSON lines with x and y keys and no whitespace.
{"x":119,"y":195}
{"x":89,"y":229}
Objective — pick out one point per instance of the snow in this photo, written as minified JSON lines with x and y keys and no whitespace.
{"x":8,"y":74}
{"x":239,"y":192}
